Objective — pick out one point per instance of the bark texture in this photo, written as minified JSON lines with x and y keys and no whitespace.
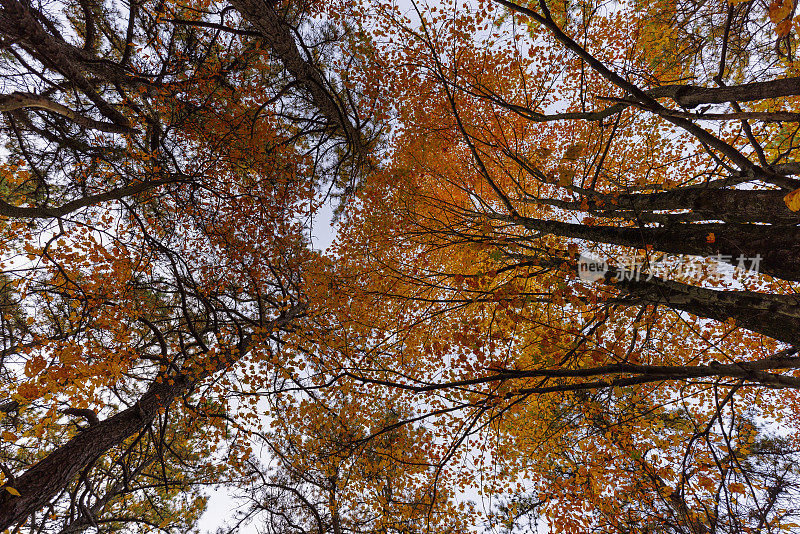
{"x":48,"y":477}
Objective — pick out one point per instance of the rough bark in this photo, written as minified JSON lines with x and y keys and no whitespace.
{"x":777,"y":249}
{"x":691,"y":96}
{"x":775,"y":316}
{"x":16,"y":101}
{"x":38,"y":212}
{"x":45,"y":479}
{"x":278,"y":34}
{"x":705,"y":204}
{"x":48,"y":477}
{"x":18,"y":22}
{"x":732,"y":205}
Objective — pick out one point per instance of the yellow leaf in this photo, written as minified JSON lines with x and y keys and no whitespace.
{"x":8,"y":436}
{"x":783,"y":28}
{"x":12,"y":491}
{"x":792,"y":200}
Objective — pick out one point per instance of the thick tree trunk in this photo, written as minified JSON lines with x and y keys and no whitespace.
{"x":690,"y":96}
{"x":775,"y":250}
{"x":48,"y":477}
{"x":45,"y":479}
{"x":280,"y":37}
{"x":18,"y":23}
{"x":705,"y":204}
{"x":775,"y":316}
{"x":731,"y":205}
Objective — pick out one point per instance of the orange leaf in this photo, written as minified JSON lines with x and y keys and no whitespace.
{"x":574,"y":152}
{"x":779,"y":10}
{"x":736,"y":487}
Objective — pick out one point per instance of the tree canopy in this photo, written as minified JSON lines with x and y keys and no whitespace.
{"x":562,"y":294}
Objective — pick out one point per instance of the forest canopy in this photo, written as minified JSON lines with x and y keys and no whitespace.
{"x":562,"y":294}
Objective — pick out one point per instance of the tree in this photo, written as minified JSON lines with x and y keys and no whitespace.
{"x":533,"y":138}
{"x":159,"y":286}
{"x":337,"y":463}
{"x":155,"y":201}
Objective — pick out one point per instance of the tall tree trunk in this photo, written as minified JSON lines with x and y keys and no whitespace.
{"x":776,"y":250}
{"x":280,"y":37}
{"x":48,"y":477}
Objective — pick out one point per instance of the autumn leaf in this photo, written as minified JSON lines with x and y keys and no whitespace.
{"x":574,"y":152}
{"x":706,"y":482}
{"x":184,"y":269}
{"x":779,"y":10}
{"x":736,"y":487}
{"x":565,"y":176}
{"x":783,"y":28}
{"x":792,"y":200}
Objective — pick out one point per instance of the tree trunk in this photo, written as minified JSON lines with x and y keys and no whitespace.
{"x":773,"y":250}
{"x":48,"y":477}
{"x":690,"y":96}
{"x":775,"y":316}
